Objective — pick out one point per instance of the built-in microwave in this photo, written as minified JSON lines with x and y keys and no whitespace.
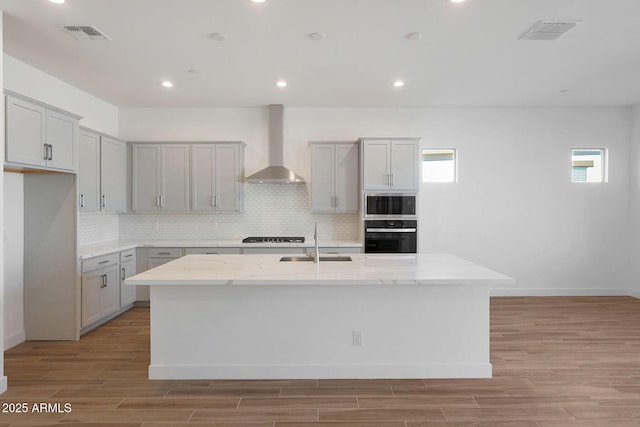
{"x":385,"y":205}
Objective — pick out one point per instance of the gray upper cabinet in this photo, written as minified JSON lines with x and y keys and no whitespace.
{"x":216,"y":176}
{"x":390,"y":164}
{"x":334,"y":177}
{"x":89,"y":172}
{"x":40,"y":136}
{"x":102,"y":173}
{"x":160,"y":178}
{"x":113,"y":174}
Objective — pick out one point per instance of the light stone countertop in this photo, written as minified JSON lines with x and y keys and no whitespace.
{"x":364,"y":269}
{"x":105,"y":248}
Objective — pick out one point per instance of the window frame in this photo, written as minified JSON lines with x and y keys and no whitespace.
{"x":455,"y":159}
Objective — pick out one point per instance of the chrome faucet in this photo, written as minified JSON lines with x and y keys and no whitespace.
{"x":316,"y":258}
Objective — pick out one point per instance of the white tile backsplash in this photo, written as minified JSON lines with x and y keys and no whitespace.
{"x":97,"y":228}
{"x":270,"y":210}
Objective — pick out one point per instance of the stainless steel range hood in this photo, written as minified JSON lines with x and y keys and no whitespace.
{"x":275,"y":173}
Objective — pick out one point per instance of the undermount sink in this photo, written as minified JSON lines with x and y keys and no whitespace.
{"x":308,"y":258}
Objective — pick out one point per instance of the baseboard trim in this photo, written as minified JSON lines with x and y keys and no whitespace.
{"x":320,"y":371}
{"x":562,"y":292}
{"x":14,"y":339}
{"x":634,"y":293}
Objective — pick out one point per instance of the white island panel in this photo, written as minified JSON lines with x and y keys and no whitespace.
{"x":419,"y":316}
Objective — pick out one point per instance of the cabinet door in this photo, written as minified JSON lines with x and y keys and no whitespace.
{"x":404,"y":165}
{"x":91,"y":290}
{"x":375,"y":164}
{"x":89,"y":172}
{"x":127,"y":293}
{"x":203,"y":177}
{"x":174,"y":177}
{"x":346,"y":177}
{"x":146,"y":177}
{"x":227,"y":177}
{"x":322,"y":177}
{"x":110,"y":294}
{"x":113,"y":175}
{"x":61,"y":135}
{"x":25,"y":132}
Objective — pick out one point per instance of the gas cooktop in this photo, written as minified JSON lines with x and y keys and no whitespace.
{"x":273,"y":240}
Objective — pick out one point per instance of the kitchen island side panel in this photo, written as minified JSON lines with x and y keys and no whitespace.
{"x":307,"y":331}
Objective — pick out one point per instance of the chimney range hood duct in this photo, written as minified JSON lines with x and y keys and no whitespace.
{"x":275,"y":173}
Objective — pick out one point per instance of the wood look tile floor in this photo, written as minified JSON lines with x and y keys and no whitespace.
{"x":557,"y":362}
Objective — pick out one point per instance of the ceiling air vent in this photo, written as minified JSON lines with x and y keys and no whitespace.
{"x":548,"y":30}
{"x":84,"y":32}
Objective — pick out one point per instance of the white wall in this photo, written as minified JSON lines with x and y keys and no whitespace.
{"x":634,"y":160}
{"x":552,"y":236}
{"x":14,"y":332}
{"x":29,"y":81}
{"x":3,"y":378}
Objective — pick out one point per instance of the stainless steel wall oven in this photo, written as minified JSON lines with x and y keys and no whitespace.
{"x":391,"y":236}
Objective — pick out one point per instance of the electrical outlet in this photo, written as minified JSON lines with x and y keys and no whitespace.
{"x":357,"y":337}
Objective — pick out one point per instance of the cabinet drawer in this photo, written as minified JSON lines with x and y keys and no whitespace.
{"x":188,"y":251}
{"x":128,"y":255}
{"x":164,"y":252}
{"x":99,"y":262}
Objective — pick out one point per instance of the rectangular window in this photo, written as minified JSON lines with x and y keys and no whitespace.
{"x":439,"y":165}
{"x":588,"y":165}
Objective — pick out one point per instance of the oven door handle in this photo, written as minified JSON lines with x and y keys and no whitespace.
{"x":390,"y":230}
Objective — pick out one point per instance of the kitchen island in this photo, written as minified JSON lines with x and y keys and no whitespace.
{"x":376,"y":316}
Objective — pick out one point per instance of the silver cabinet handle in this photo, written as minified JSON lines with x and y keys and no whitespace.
{"x":104,"y":281}
{"x":164,"y":253}
{"x":392,"y":180}
{"x":335,"y":203}
{"x":103,"y":262}
{"x":215,"y":201}
{"x":162,"y":201}
{"x":389,"y":179}
{"x":50,"y":152}
{"x":104,"y":201}
{"x":128,"y":256}
{"x":82,"y":200}
{"x":390,"y":230}
{"x":46,"y":152}
{"x":123,"y":273}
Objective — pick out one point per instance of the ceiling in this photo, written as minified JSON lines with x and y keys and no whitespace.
{"x":469,"y":54}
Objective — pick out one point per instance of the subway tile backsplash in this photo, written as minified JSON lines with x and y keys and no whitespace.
{"x":270,"y":210}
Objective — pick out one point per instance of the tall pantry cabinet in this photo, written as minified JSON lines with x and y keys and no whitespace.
{"x":41,"y":144}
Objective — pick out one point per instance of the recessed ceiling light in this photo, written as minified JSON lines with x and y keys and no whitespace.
{"x":166,"y":83}
{"x":317,"y":36}
{"x":416,"y":35}
{"x":456,"y":1}
{"x":398,"y":83}
{"x":258,"y":1}
{"x":281,"y":83}
{"x":219,"y":37}
{"x":57,"y":1}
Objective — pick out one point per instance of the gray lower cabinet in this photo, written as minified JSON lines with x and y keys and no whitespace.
{"x":100,"y":288}
{"x":127,"y":269}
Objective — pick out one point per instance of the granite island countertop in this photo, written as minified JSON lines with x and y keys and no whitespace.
{"x":364,"y":269}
